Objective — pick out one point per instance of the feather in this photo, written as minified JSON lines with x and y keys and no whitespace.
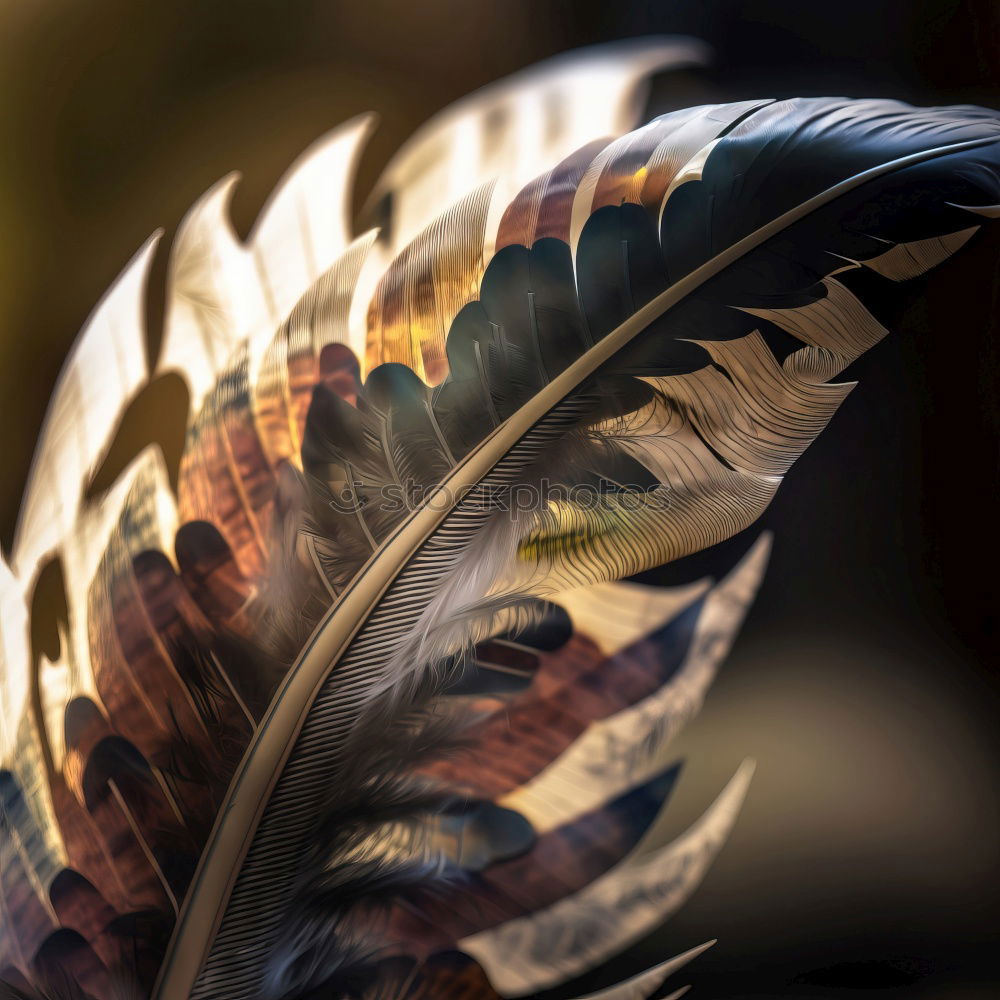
{"x":623,"y":749}
{"x":424,"y":288}
{"x":560,"y":861}
{"x":86,"y":404}
{"x":577,"y":696}
{"x":645,"y":984}
{"x":579,"y":932}
{"x":519,"y":127}
{"x":818,"y":179}
{"x":583,"y":357}
{"x":222,"y":292}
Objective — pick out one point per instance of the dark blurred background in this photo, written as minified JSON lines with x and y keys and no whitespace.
{"x":865,"y":682}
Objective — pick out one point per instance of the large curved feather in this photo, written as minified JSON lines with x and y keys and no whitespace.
{"x":761,"y":216}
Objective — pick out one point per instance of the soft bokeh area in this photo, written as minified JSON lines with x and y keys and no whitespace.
{"x":865,"y":682}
